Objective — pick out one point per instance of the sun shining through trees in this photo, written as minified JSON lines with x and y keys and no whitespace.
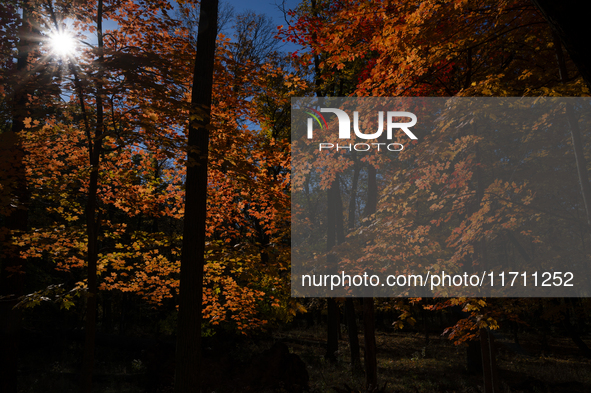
{"x":62,"y":43}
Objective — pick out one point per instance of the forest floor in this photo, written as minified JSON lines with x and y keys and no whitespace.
{"x":406,"y":363}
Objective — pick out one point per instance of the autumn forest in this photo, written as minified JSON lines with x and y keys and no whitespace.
{"x":161,"y":208}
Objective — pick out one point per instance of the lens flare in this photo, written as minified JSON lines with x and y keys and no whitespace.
{"x":62,"y":43}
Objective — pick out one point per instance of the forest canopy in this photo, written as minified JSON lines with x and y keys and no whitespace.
{"x":143,"y":140}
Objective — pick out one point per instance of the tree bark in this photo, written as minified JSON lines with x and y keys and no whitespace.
{"x":188,"y":351}
{"x":353,"y":335}
{"x":92,"y":222}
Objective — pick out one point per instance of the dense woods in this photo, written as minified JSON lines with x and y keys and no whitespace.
{"x":147,"y":197}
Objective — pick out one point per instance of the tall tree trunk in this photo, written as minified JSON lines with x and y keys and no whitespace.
{"x":353,"y":335}
{"x":332,"y":338}
{"x":372,"y":191}
{"x":352,"y":198}
{"x":349,"y":305}
{"x":188,"y":351}
{"x":335,"y":235}
{"x":369,"y":335}
{"x":11,"y":267}
{"x":369,"y":331}
{"x":474,"y":349}
{"x":92,"y":222}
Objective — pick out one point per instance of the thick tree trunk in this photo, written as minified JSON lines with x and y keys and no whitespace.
{"x":353,"y":335}
{"x":332,"y":336}
{"x":188,"y":351}
{"x":11,"y":267}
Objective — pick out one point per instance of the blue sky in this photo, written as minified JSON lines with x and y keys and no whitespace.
{"x":268,"y":7}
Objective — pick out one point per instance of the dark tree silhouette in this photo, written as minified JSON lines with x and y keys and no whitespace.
{"x":570,"y":24}
{"x":188,"y":356}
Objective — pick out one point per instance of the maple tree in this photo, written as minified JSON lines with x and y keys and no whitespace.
{"x":137,"y":103}
{"x":104,"y":150}
{"x":138,"y":159}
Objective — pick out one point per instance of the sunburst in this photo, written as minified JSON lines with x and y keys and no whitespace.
{"x":62,"y":43}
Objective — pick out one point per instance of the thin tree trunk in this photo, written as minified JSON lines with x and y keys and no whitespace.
{"x":575,"y":133}
{"x":92,"y":222}
{"x":349,"y":305}
{"x":583,"y":177}
{"x":352,"y":204}
{"x":474,"y":349}
{"x":335,"y":236}
{"x":372,"y":191}
{"x":369,"y":331}
{"x":340,"y":228}
{"x":580,"y":159}
{"x":332,"y":338}
{"x":188,"y":351}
